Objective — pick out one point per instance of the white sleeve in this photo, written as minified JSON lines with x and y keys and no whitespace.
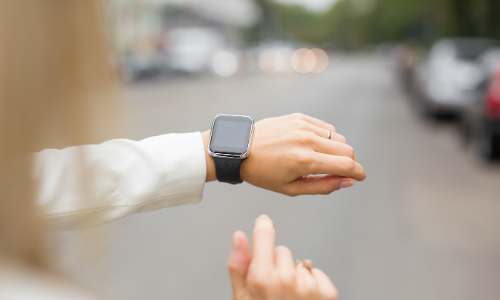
{"x":90,"y":185}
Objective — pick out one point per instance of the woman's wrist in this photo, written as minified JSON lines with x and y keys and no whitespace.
{"x":211,"y":175}
{"x":286,"y":153}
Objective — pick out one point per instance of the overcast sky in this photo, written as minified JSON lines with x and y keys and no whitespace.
{"x":314,"y":5}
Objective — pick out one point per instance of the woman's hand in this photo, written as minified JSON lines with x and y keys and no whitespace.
{"x":287,"y":150}
{"x":270,"y":273}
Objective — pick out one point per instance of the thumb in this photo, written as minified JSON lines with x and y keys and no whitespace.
{"x":238,"y":262}
{"x":324,"y":185}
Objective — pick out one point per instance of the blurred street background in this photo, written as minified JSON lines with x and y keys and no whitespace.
{"x":413,"y":85}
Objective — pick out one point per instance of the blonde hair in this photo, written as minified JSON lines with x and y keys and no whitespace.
{"x":57,"y":89}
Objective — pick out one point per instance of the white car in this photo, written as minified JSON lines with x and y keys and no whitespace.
{"x":191,"y":50}
{"x":451,"y":74}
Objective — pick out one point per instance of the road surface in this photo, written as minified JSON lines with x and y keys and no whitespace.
{"x":424,"y":225}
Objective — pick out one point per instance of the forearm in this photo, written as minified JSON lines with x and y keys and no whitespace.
{"x":95,"y":184}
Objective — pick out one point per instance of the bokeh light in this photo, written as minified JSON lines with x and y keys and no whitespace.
{"x":321,"y":60}
{"x":309,"y":60}
{"x":303,"y":60}
{"x":225,"y":64}
{"x":271,"y":61}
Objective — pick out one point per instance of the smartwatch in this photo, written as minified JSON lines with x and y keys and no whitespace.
{"x":229,"y":145}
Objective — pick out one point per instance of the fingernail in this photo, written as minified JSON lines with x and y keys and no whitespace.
{"x":236,"y":241}
{"x":346,"y":184}
{"x":263,"y":216}
{"x":365,"y":174}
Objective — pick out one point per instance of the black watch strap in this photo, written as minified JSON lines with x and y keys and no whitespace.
{"x":228,"y":169}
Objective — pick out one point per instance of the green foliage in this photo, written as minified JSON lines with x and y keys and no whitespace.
{"x":360,"y":23}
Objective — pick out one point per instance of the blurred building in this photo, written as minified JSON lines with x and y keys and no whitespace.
{"x":154,"y":35}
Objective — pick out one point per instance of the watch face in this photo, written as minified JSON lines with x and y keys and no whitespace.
{"x":231,"y":134}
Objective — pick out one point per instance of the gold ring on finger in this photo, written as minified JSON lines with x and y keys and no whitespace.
{"x":306,"y":263}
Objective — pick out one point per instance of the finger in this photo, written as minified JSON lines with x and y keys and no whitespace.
{"x":325,"y":285}
{"x":338,"y":137}
{"x":283,"y":260}
{"x":238,"y":261}
{"x":306,"y":284}
{"x":319,"y":123}
{"x":263,"y":243}
{"x":333,"y":148}
{"x":323,"y":133}
{"x":319,"y":185}
{"x":336,"y":165}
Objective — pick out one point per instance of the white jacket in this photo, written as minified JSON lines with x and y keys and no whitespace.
{"x":90,"y":185}
{"x":124,"y":177}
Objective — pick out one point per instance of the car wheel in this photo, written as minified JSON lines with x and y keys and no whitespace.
{"x":485,"y":145}
{"x":496,"y":147}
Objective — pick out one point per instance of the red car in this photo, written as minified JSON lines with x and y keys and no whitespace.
{"x":493,"y":102}
{"x":482,"y":120}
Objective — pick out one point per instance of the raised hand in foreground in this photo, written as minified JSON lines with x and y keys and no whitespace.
{"x":270,"y":273}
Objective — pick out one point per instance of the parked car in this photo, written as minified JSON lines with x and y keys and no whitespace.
{"x":451,"y":75}
{"x":481,"y":119}
{"x":135,"y":67}
{"x":143,"y":60}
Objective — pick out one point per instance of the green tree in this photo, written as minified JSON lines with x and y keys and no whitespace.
{"x":359,"y":23}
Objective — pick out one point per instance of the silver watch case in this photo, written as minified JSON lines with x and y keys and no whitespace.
{"x":231,"y":155}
